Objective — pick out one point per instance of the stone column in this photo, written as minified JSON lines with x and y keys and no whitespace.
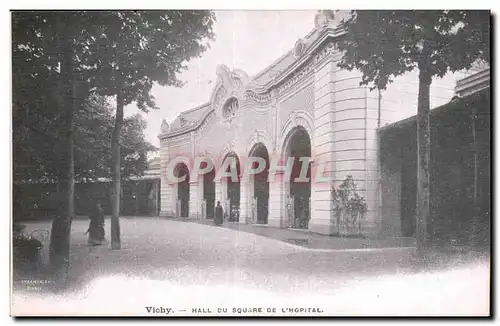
{"x":345,"y":119}
{"x":276,"y":201}
{"x":194,"y":203}
{"x":322,"y":143}
{"x":201,"y":186}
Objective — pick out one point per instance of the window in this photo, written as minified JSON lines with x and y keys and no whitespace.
{"x":230,"y":108}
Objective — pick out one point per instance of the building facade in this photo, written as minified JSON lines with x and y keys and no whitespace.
{"x":302,"y":105}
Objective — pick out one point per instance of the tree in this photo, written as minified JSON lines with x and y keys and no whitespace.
{"x":131,"y":52}
{"x":94,"y":126}
{"x":31,"y":32}
{"x":56,"y":43}
{"x":39,"y":144}
{"x":385,"y":44}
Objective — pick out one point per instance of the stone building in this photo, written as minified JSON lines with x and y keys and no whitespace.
{"x":301,"y":105}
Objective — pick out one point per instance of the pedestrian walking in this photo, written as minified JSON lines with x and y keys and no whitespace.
{"x":96,"y":227}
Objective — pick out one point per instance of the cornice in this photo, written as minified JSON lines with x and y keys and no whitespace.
{"x":313,"y":54}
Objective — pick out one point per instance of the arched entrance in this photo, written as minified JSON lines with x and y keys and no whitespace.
{"x":233,"y":190}
{"x":260,"y":185}
{"x":209,"y":191}
{"x":299,"y":192}
{"x":182,"y":204}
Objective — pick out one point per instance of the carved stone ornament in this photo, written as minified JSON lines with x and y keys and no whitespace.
{"x":330,"y":18}
{"x":164,"y":126}
{"x":299,"y":48}
{"x":183,"y":121}
{"x":220,"y":96}
{"x":230,"y":88}
{"x":323,"y":18}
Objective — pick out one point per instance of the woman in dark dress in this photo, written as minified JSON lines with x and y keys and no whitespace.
{"x":219,"y":214}
{"x":96,"y":227}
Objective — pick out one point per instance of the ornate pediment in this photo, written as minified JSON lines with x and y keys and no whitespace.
{"x":229,"y":92}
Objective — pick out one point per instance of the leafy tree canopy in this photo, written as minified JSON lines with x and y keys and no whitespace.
{"x":386,"y":44}
{"x":38,"y":137}
{"x":134,"y":49}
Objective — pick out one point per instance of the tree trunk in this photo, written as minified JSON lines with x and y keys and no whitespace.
{"x":115,"y":148}
{"x":423,"y":158}
{"x":61,"y":224}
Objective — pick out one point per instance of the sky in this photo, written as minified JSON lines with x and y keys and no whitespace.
{"x":246,"y":40}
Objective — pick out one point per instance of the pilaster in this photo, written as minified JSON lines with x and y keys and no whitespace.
{"x":276,"y":216}
{"x":194,"y":202}
{"x":323,"y":152}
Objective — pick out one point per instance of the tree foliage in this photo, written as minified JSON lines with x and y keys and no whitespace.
{"x":386,"y":44}
{"x":94,"y":126}
{"x":38,"y":138}
{"x":135,"y":49}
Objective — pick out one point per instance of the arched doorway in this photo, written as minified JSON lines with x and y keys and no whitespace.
{"x":233,"y":190}
{"x":260,"y":185}
{"x":209,"y":191}
{"x":299,"y":145}
{"x":182,"y":204}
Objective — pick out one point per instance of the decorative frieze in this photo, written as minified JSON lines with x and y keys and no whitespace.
{"x":259,"y":98}
{"x":296,"y":77}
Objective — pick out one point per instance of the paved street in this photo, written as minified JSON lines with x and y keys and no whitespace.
{"x":182,"y":265}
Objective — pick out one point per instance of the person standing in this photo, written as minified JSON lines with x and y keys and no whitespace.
{"x":219,"y":214}
{"x":96,"y":227}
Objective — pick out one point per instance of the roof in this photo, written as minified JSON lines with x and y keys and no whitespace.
{"x":283,"y":65}
{"x":473,"y":83}
{"x":274,"y":69}
{"x":453,"y":109}
{"x":477,"y":83}
{"x":190,"y":116}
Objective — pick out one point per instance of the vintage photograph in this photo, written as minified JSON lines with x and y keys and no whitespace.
{"x":251,"y":163}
